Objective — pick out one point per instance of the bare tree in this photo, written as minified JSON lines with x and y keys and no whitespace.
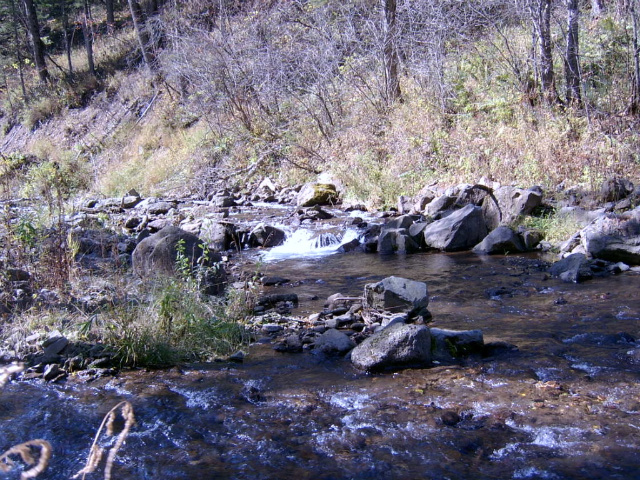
{"x":87,"y":32}
{"x":142,"y":33}
{"x":634,"y":104}
{"x":111,"y":19}
{"x":571,"y":61}
{"x":598,"y":7}
{"x":391,"y":60}
{"x":541,"y":15}
{"x":37,"y":48}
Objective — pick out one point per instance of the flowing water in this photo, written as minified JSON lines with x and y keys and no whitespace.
{"x":566,"y":405}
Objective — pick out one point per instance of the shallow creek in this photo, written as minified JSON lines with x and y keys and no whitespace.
{"x":566,"y":405}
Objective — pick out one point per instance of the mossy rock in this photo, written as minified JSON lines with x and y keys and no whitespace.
{"x":317,"y":194}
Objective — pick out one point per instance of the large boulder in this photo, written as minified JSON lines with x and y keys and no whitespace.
{"x":461,"y":230}
{"x":158,"y":255}
{"x":317,"y":194}
{"x":615,"y":188}
{"x":397,"y":294}
{"x":507,"y":203}
{"x":502,"y":240}
{"x":614,"y":237}
{"x":472,"y":194}
{"x":398,"y":345}
{"x":439,"y":205}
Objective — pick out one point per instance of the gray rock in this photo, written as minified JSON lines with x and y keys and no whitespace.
{"x":317,"y":194}
{"x":157,"y":255}
{"x":396,"y":241}
{"x":502,"y":240}
{"x":339,"y":321}
{"x":614,"y":237}
{"x":334,"y":342}
{"x":507,"y":203}
{"x":452,"y":345}
{"x":404,"y":221}
{"x":387,"y":322}
{"x":55,"y":345}
{"x":398,"y":345}
{"x":270,"y":328}
{"x":217,"y":235}
{"x":472,"y":195}
{"x":530,"y":237}
{"x":275,"y":298}
{"x":461,"y":230}
{"x":574,"y":268}
{"x":266,"y":236}
{"x":615,"y":188}
{"x":397,"y":294}
{"x":53,"y":372}
{"x":439,"y":205}
{"x":160,"y":208}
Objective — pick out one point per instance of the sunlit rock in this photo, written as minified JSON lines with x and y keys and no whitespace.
{"x":317,"y":194}
{"x":508,"y":203}
{"x":397,"y":294}
{"x":398,"y":345}
{"x":461,"y":230}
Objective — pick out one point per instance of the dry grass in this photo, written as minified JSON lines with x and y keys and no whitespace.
{"x":96,"y":453}
{"x":34,"y":453}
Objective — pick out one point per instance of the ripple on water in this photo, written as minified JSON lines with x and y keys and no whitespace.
{"x":533,"y":472}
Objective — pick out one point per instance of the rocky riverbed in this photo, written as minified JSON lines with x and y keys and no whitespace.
{"x":141,"y":237}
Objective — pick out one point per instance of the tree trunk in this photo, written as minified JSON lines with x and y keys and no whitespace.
{"x":87,"y":32}
{"x":19,"y":59}
{"x":141,"y":32}
{"x":391,"y":80}
{"x":634,"y":104}
{"x":33,"y":31}
{"x":67,"y":37}
{"x":597,"y":8}
{"x":111,"y":19}
{"x":571,"y":61}
{"x":541,"y":16}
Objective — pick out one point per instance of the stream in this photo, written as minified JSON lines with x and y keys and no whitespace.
{"x":565,"y":405}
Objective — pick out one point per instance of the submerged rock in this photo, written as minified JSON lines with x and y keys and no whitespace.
{"x":398,"y":345}
{"x":452,"y":345}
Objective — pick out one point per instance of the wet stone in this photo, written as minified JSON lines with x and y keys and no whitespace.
{"x":271,"y":328}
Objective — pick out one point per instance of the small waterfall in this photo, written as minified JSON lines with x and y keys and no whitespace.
{"x":309,"y":243}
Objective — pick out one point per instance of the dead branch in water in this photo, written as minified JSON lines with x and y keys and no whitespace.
{"x":96,"y":452}
{"x":33,"y":452}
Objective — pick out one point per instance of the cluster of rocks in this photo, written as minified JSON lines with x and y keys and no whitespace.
{"x":478,"y":217}
{"x":384,"y":329}
{"x":53,"y":357}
